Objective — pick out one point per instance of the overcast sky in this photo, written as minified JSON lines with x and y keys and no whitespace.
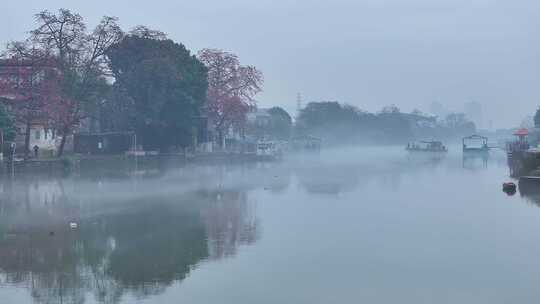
{"x":368,"y":53}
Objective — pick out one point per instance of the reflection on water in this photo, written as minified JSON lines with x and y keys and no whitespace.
{"x":131,"y":240}
{"x":475,"y":161}
{"x":530,"y":190}
{"x":371,"y":226}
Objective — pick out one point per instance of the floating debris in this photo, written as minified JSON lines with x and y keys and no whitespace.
{"x":509,"y":188}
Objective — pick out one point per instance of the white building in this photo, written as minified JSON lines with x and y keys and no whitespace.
{"x":473,"y":112}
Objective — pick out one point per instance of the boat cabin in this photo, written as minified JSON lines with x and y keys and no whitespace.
{"x":475,"y":143}
{"x":426,"y":146}
{"x":265,"y":148}
{"x":522,"y":142}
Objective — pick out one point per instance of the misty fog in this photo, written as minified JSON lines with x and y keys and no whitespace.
{"x":371,"y":151}
{"x":365,"y":53}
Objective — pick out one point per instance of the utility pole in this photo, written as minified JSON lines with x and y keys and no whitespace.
{"x":298,"y":106}
{"x":298,"y":102}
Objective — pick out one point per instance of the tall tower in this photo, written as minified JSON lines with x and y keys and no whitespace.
{"x":298,"y":103}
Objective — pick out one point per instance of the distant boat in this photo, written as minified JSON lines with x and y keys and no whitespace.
{"x":427,"y":146}
{"x":268,"y":150}
{"x":475,"y":144}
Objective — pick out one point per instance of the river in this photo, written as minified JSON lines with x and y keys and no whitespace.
{"x":363,"y":225}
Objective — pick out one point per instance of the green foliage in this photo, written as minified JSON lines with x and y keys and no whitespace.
{"x":7,"y":123}
{"x":167,"y":85}
{"x":117,"y":111}
{"x":280,"y":123}
{"x":335,"y":123}
{"x":394,"y":127}
{"x":318,"y":114}
{"x":537,"y":118}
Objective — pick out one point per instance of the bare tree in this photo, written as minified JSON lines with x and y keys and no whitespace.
{"x":81,"y":61}
{"x":231,"y":88}
{"x":142,"y":31}
{"x":28,"y":85}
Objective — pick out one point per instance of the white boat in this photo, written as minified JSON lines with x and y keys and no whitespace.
{"x":427,"y":146}
{"x":267,"y":149}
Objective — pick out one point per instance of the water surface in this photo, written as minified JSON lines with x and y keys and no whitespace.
{"x":366,"y":225}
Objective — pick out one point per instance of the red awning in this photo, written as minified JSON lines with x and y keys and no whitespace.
{"x":522,"y":132}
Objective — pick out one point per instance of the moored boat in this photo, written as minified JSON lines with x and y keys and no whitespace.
{"x":268,"y":150}
{"x":475,"y":144}
{"x":427,"y":146}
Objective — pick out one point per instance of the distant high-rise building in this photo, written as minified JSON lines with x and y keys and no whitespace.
{"x":473,"y":112}
{"x":437,"y":109}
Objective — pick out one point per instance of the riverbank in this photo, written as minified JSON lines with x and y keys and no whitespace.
{"x":77,"y":163}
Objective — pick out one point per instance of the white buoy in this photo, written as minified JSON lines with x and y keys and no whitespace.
{"x":73,"y":225}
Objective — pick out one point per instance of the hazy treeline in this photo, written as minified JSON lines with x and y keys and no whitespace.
{"x":338,"y":123}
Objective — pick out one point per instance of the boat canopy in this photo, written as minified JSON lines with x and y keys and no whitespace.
{"x":426,"y":145}
{"x":522,"y":132}
{"x":475,"y":143}
{"x":475,"y":138}
{"x":431,"y":142}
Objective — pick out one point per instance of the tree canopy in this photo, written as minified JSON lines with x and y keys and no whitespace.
{"x":166,"y":83}
{"x":280,"y":123}
{"x":537,"y":118}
